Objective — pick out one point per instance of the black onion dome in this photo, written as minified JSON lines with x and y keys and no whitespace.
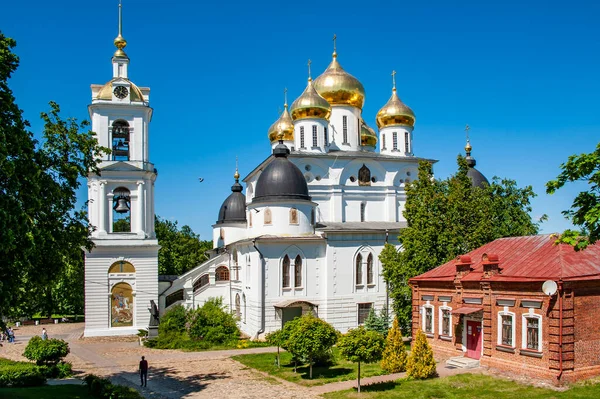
{"x":281,"y":179}
{"x":234,"y":207}
{"x":477,"y":178}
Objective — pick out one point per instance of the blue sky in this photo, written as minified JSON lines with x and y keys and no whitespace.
{"x":522,"y":74}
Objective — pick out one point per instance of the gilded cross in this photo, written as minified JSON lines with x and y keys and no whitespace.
{"x":285,"y":96}
{"x":334,"y":39}
{"x":394,"y":79}
{"x":467,"y":128}
{"x":309,"y":62}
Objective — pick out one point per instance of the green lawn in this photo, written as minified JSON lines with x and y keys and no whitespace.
{"x":341,"y":371}
{"x":466,"y":386}
{"x":46,"y":392}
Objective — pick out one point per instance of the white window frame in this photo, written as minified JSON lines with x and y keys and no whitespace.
{"x":407,"y":142}
{"x":315,"y":140}
{"x":524,"y":317}
{"x":302,"y":137}
{"x":394,"y":141}
{"x":505,"y":312}
{"x":345,"y":129}
{"x":428,"y":305}
{"x":441,"y":320}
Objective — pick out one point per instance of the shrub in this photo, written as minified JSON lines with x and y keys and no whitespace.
{"x":49,"y":351}
{"x":20,"y":374}
{"x":420,"y":363}
{"x":65,"y":369}
{"x":310,"y":338}
{"x":174,"y":320}
{"x":361,"y":345}
{"x":380,"y":323}
{"x":394,"y":355}
{"x":104,"y":389}
{"x":211,"y":323}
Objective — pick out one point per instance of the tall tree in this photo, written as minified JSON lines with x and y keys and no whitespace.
{"x":181,"y":249}
{"x":447,"y":218}
{"x":360,"y":345}
{"x":39,"y":226}
{"x":585,"y":210}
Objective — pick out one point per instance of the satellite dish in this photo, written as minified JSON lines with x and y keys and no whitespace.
{"x":549,"y":287}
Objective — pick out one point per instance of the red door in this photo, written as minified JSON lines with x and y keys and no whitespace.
{"x":473,"y":339}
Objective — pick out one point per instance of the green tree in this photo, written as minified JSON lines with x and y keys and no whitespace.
{"x":212,"y":323}
{"x":310,"y":339}
{"x":447,"y":218}
{"x":379,"y":323}
{"x":181,"y":249}
{"x":585,"y":210}
{"x":38,"y":184}
{"x":421,"y":364}
{"x":360,"y":345}
{"x":394,"y":355}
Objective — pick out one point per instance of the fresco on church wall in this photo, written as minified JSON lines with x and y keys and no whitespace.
{"x":121,"y":309}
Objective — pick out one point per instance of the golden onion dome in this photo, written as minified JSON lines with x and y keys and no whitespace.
{"x":310,"y":105}
{"x":338,"y":87}
{"x":105,"y":93}
{"x":283,"y":125}
{"x":368,"y":137}
{"x":395,"y":113}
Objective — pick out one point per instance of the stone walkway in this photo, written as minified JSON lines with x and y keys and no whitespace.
{"x":175,"y":374}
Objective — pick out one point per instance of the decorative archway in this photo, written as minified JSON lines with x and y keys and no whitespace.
{"x":121,"y":305}
{"x":121,"y":267}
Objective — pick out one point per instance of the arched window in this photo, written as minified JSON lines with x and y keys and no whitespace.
{"x":121,"y":306}
{"x":121,"y":267}
{"x":293,"y":216}
{"x":359,"y":269}
{"x":364,"y":176}
{"x":222,"y":274}
{"x":174,"y":297}
{"x":370,"y":269}
{"x":267,"y":216}
{"x":120,"y":141}
{"x":285,"y":275}
{"x":121,"y":210}
{"x":238,"y":306}
{"x":201,"y":282}
{"x":298,"y":272}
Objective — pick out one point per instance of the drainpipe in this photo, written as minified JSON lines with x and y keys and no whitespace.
{"x":560,"y":330}
{"x":230,"y":275}
{"x":262,"y":289}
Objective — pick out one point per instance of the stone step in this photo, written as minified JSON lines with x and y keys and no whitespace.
{"x":462,"y":362}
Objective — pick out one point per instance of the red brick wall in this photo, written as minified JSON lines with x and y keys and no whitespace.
{"x":581,"y":331}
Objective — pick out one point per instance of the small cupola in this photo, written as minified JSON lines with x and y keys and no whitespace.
{"x":463,"y":265}
{"x":233,"y":209}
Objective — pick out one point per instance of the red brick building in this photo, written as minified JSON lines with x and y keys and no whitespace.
{"x":489,"y":305}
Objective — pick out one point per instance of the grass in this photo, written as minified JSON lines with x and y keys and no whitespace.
{"x":341,"y":371}
{"x":47,"y":392}
{"x":469,"y":386}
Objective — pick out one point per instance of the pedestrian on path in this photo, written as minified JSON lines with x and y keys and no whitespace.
{"x":144,"y":372}
{"x":44,"y":334}
{"x":11,"y":335}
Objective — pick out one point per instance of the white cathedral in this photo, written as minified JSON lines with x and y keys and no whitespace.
{"x":306,"y":237}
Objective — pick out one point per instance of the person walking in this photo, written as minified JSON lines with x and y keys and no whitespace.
{"x":11,"y":335}
{"x":44,"y":334}
{"x":144,"y":372}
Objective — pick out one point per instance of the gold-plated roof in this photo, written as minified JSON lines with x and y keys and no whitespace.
{"x":105,"y":92}
{"x":338,"y":87}
{"x":468,"y":148}
{"x":368,"y":137}
{"x":310,"y":105}
{"x":395,"y":113}
{"x":284,"y":126}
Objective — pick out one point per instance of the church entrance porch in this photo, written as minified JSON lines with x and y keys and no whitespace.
{"x":289,"y":314}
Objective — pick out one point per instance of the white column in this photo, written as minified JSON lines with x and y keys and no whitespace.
{"x":102,"y":209}
{"x":141,"y":212}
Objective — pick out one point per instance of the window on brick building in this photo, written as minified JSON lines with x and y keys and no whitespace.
{"x":506,"y":329}
{"x":428,"y":319}
{"x":532,"y":332}
{"x":363,"y":312}
{"x":446,"y":321}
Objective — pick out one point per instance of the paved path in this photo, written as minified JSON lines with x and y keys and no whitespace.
{"x":176,"y":374}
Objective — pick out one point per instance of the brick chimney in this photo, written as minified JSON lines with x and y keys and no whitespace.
{"x":463,"y":265}
{"x":490,"y":265}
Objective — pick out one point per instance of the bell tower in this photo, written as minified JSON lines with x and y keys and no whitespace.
{"x":121,"y":271}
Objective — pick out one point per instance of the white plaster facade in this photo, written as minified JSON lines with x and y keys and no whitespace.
{"x":117,"y":300}
{"x":357,"y":197}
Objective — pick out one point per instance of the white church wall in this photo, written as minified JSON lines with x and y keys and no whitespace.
{"x":336,"y":121}
{"x":280,"y":222}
